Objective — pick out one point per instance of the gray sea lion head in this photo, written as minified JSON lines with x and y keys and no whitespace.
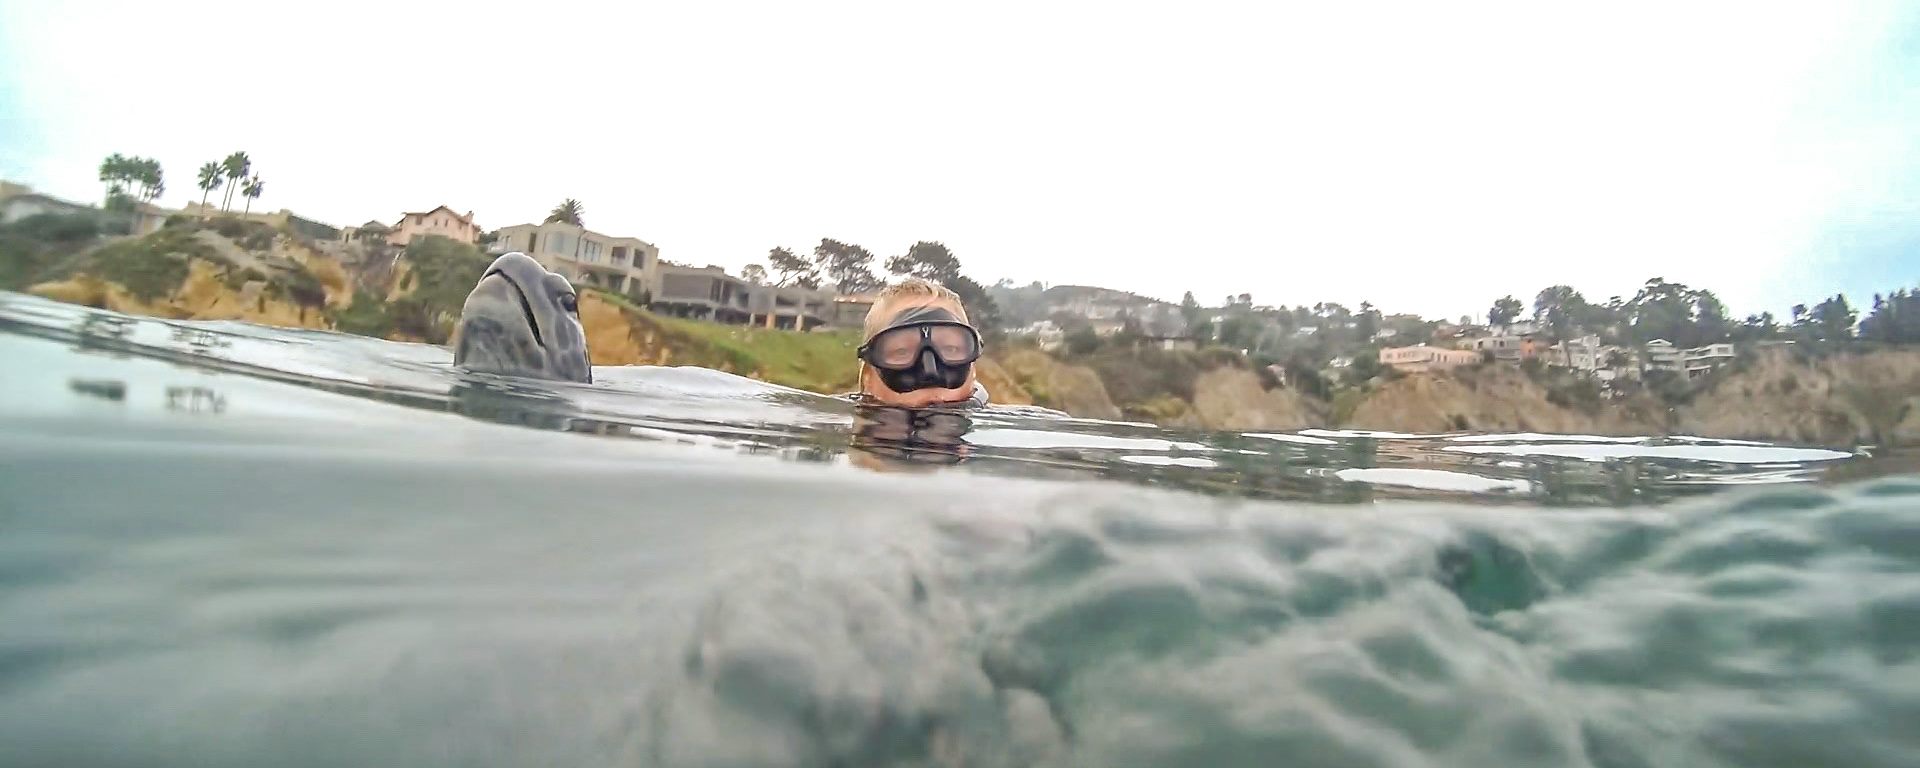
{"x":521,"y":320}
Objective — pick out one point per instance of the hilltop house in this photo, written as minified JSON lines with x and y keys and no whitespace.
{"x":704,"y":293}
{"x":441,"y":221}
{"x":625,"y":265}
{"x":1662,"y":356}
{"x":1422,"y":359}
{"x":1510,"y":349}
{"x":850,"y":310}
{"x":19,"y":201}
{"x":709,"y":293}
{"x":1700,"y":361}
{"x":1587,"y":355}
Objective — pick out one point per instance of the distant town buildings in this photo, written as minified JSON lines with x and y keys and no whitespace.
{"x":1586,"y":354}
{"x":1045,"y":332}
{"x":1109,"y":312}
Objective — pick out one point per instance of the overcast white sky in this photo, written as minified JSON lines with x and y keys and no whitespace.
{"x":1428,"y":157}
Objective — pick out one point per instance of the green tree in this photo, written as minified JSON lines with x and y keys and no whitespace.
{"x":115,"y":172}
{"x":1505,"y":311}
{"x":848,"y":267}
{"x":1895,"y":318}
{"x":1082,"y":340}
{"x":151,"y":181}
{"x":1756,"y":328}
{"x":237,"y":166}
{"x":1240,"y":330}
{"x":1560,"y":309}
{"x":925,"y":260}
{"x":569,"y":211}
{"x":1833,"y":319}
{"x":1662,"y":310}
{"x":793,"y":268}
{"x":1366,"y":365}
{"x":754,"y":273}
{"x":1190,"y":311}
{"x":1366,"y":325}
{"x":210,"y":180}
{"x":253,"y":189}
{"x":1710,"y":321}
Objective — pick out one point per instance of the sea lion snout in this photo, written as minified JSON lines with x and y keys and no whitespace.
{"x":522,"y":320}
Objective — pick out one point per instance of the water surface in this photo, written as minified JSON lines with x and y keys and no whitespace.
{"x":222,"y":544}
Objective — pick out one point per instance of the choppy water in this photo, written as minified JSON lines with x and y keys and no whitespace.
{"x":229,"y":545}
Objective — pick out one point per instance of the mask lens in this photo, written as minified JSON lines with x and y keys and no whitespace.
{"x":897,"y":348}
{"x":954,"y":344}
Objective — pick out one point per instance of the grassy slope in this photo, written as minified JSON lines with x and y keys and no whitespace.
{"x":817,"y":362}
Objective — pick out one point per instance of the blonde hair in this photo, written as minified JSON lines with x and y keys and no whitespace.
{"x":908,"y":289}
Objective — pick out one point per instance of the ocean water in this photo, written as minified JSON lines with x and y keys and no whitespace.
{"x":222,"y":544}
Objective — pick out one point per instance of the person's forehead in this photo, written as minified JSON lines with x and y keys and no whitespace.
{"x":898,"y":306}
{"x":914,"y":302}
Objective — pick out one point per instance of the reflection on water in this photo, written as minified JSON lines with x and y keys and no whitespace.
{"x":105,"y":389}
{"x":707,"y":408}
{"x":371,"y":559}
{"x":903,"y":436}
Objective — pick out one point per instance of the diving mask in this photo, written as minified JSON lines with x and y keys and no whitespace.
{"x":924,"y":348}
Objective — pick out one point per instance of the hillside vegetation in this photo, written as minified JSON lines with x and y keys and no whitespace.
{"x":620,"y":333}
{"x":231,"y":269}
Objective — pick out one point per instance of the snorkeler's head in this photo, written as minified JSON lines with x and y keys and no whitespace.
{"x":918,"y":349}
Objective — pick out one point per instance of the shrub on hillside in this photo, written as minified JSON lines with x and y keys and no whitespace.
{"x":409,"y":315}
{"x":1082,"y":341}
{"x":443,"y":271}
{"x":150,"y":267}
{"x":305,"y":289}
{"x":1578,"y":393}
{"x":367,"y":316}
{"x":251,"y":235}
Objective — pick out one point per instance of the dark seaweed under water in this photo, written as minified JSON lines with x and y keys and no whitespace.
{"x":222,"y":544}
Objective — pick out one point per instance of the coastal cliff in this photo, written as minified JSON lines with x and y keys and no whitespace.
{"x":1830,"y":398}
{"x":231,"y":270}
{"x":1495,"y":398}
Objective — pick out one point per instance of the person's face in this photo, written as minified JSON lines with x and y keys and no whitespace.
{"x":874,"y":387}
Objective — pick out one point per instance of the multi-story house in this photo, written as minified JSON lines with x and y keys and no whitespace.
{"x":1700,"y":361}
{"x":441,"y":221}
{"x":705,"y":293}
{"x":626,"y":265}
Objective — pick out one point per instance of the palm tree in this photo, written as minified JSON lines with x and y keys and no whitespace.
{"x":252,"y":192}
{"x":569,"y":211}
{"x":152,"y":180}
{"x":237,"y":166}
{"x":113,"y":173}
{"x":210,"y":180}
